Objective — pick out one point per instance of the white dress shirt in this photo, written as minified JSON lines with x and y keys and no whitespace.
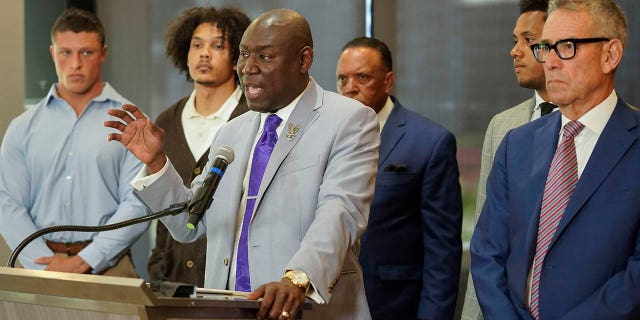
{"x":199,"y":130}
{"x":536,"y":108}
{"x":384,"y":113}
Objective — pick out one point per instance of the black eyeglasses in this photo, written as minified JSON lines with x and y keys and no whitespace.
{"x":565,"y":49}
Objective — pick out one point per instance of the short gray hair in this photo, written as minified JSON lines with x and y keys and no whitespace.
{"x":607,"y":16}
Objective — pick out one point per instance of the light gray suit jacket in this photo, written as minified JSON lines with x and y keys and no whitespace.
{"x":312,"y":206}
{"x":500,"y":124}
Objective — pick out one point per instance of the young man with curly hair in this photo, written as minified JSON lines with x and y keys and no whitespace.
{"x":203,"y":43}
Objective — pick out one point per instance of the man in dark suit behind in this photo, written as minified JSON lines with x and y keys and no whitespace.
{"x":203,"y":43}
{"x":411,"y":249}
{"x":572,"y":252}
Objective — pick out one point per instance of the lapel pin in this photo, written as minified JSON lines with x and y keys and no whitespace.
{"x":292,"y":130}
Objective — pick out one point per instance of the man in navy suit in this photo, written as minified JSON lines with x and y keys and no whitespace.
{"x":591,"y":269}
{"x":411,"y":249}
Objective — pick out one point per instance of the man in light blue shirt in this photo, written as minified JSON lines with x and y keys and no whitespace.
{"x":56,"y":168}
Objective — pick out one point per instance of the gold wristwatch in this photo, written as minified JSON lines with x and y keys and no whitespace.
{"x":298,"y":278}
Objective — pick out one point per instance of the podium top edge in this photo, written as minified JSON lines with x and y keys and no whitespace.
{"x":64,"y":276}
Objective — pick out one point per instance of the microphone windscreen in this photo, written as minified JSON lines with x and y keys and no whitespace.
{"x":226,"y":153}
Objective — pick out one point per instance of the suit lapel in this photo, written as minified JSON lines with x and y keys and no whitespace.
{"x":243,"y":149}
{"x":612,"y":145}
{"x":304,"y":114}
{"x":545,"y":144}
{"x":393,"y":131}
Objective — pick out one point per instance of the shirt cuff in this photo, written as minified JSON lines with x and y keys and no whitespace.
{"x":143,"y":179}
{"x":94,"y":259}
{"x":314,"y":295}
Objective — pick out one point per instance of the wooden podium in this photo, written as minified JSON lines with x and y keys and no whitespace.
{"x":34,"y":295}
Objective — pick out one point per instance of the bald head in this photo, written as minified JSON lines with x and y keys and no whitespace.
{"x":276,"y":53}
{"x":291,"y":22}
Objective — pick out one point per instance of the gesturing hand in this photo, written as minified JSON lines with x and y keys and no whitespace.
{"x":280,"y":300}
{"x":139,"y":135}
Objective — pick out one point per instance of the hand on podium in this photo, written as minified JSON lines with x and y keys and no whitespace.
{"x":280,"y":300}
{"x":73,"y":264}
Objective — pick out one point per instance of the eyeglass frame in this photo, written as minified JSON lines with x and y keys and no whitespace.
{"x":554,"y":46}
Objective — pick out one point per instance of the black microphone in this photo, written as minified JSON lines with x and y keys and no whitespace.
{"x":204,"y":196}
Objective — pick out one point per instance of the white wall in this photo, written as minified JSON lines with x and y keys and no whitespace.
{"x":12,"y":71}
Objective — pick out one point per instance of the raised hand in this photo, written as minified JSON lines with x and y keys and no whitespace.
{"x":139,"y":135}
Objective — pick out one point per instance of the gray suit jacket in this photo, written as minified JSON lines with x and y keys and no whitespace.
{"x":500,"y":124}
{"x":312,"y":206}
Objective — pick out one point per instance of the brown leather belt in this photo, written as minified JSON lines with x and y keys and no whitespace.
{"x":70,"y":248}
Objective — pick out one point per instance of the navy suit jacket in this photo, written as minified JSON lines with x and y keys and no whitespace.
{"x":592,"y":268}
{"x":411,"y":249}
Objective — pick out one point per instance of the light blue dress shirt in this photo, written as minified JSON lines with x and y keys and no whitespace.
{"x":57,"y":168}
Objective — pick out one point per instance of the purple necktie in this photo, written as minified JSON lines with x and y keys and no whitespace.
{"x":261,"y":154}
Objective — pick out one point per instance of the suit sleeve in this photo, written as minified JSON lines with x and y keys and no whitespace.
{"x":441,"y":209}
{"x":169,"y":189}
{"x":618,"y":298}
{"x":471,"y":309}
{"x":488,"y":151}
{"x":490,"y":245}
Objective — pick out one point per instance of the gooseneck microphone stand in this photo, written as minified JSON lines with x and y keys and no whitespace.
{"x":174,"y":209}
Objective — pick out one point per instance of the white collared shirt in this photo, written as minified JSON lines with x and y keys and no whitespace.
{"x":594,"y":122}
{"x":384,"y":113}
{"x":536,"y":108}
{"x":199,"y":130}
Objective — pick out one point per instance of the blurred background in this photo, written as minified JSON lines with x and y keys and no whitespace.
{"x":451,"y":60}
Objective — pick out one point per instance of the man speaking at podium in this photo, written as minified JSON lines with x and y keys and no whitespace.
{"x":294,"y":230}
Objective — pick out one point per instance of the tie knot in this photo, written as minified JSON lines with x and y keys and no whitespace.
{"x":271,"y":123}
{"x":546,"y":108}
{"x":572,"y":129}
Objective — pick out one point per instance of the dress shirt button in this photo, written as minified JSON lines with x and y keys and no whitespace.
{"x":68,"y":177}
{"x":189,"y":264}
{"x":197,"y":170}
{"x":226,"y":261}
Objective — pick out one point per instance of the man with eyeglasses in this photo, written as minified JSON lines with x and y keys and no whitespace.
{"x":559,"y":236}
{"x":530,"y":75}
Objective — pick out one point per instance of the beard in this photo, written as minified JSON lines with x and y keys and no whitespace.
{"x":534,"y":84}
{"x":207,"y":83}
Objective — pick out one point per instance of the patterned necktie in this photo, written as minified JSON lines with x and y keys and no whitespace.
{"x":546,"y":108}
{"x":561,"y":181}
{"x":261,"y":154}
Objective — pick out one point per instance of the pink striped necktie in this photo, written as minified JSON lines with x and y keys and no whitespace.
{"x":561,"y":181}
